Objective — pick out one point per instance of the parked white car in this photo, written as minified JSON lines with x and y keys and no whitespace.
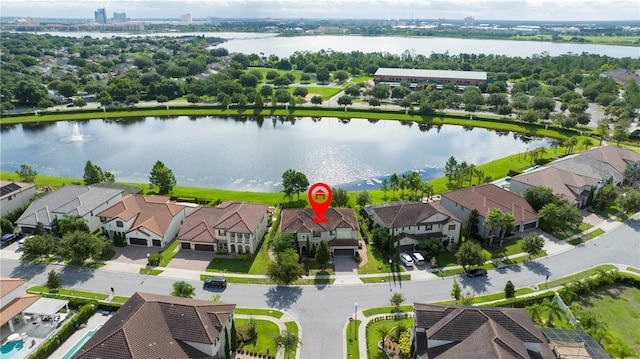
{"x":406,"y":259}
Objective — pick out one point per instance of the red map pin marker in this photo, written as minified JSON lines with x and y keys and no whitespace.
{"x":320,"y":200}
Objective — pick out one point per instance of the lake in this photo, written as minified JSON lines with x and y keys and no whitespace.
{"x":252,"y":153}
{"x":269,"y":43}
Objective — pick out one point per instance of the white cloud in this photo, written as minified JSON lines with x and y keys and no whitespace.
{"x":425,"y":9}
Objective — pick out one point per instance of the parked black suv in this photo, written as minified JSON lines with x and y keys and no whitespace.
{"x":216,"y":282}
{"x":10,"y":238}
{"x":478,"y":272}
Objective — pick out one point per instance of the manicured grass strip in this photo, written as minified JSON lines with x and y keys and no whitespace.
{"x":386,"y":310}
{"x":571,"y":231}
{"x":500,"y":295}
{"x":580,"y":275}
{"x":227,"y":265}
{"x":259,"y":311}
{"x":632,"y":269}
{"x":37,"y":289}
{"x":119,"y":299}
{"x":353,"y":350}
{"x":168,"y":253}
{"x":376,"y":263}
{"x":267,"y":330}
{"x":385,"y":279}
{"x":293,"y":328}
{"x":242,"y":280}
{"x":586,"y":237}
{"x":150,"y":271}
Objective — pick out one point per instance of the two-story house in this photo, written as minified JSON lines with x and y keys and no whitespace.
{"x":412,"y":222}
{"x":161,"y":326}
{"x":340,"y":231}
{"x":14,"y":195}
{"x":573,"y":187}
{"x":482,"y":198}
{"x":70,"y":200}
{"x":236,"y":227}
{"x":151,"y":221}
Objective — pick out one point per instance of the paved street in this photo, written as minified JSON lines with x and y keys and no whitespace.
{"x":322,"y":310}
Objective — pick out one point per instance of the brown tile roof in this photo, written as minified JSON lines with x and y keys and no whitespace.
{"x":236,"y":217}
{"x":485,"y":197}
{"x":557,"y":180}
{"x":151,"y":212}
{"x":409,"y":213}
{"x":15,"y":307}
{"x":475,"y":332}
{"x":158,"y":326}
{"x":7,"y":285}
{"x":343,"y":242}
{"x":617,"y":157}
{"x":295,"y":220}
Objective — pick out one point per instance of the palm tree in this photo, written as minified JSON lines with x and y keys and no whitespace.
{"x":632,"y":172}
{"x":183,"y":289}
{"x":384,"y":187}
{"x":383,"y":331}
{"x":472,"y":171}
{"x":587,"y":142}
{"x":427,"y":189}
{"x":480,"y":174}
{"x":570,"y":143}
{"x":506,"y":225}
{"x":394,"y":183}
{"x":492,"y":221}
{"x":553,"y":309}
{"x":535,"y":312}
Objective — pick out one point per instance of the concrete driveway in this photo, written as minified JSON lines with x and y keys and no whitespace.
{"x":192,"y":260}
{"x":344,"y":265}
{"x":133,"y":254}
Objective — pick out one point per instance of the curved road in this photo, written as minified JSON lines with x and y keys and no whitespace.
{"x":322,"y":311}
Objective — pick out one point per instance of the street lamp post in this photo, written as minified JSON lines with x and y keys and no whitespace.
{"x":355,"y":315}
{"x":390,"y":274}
{"x":147,"y":259}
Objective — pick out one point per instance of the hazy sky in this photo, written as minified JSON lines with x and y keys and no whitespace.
{"x":378,"y":9}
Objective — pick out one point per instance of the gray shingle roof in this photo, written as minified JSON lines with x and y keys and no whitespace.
{"x":588,"y":167}
{"x":477,"y":332}
{"x":158,"y":326}
{"x":71,"y":200}
{"x":408,"y":214}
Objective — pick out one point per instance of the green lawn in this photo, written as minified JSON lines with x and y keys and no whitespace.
{"x":267,"y":330}
{"x":569,"y":232}
{"x":168,"y":253}
{"x":293,"y":327}
{"x":386,"y":310}
{"x":150,"y":271}
{"x":376,"y":263}
{"x":586,"y":237}
{"x":361,"y":79}
{"x":385,"y":279}
{"x":37,"y":289}
{"x":353,"y":351}
{"x":119,"y":299}
{"x":606,"y":212}
{"x":373,"y":337}
{"x":577,"y":276}
{"x":227,"y":265}
{"x":326,"y":92}
{"x":259,"y":311}
{"x":618,"y":306}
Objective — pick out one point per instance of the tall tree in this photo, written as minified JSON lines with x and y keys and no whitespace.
{"x":282,"y":242}
{"x":38,"y":246}
{"x":287,"y":340}
{"x":450,"y":168}
{"x":80,"y":246}
{"x":54,"y":281}
{"x":394,"y":184}
{"x":26,"y":173}
{"x":162,"y":177}
{"x":396,"y":300}
{"x":363,"y":199}
{"x":632,"y":172}
{"x":69,"y":224}
{"x":323,"y":253}
{"x":183,"y":289}
{"x":538,"y":197}
{"x":470,"y":254}
{"x":493,"y":220}
{"x":294,"y":182}
{"x":339,"y":198}
{"x":286,"y":269}
{"x":92,"y":174}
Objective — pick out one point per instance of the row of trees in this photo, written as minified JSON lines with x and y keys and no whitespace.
{"x":412,"y":182}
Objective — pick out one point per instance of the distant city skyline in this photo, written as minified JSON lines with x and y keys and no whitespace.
{"x":531,"y":10}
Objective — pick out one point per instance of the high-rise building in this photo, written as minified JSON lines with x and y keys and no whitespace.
{"x":120,"y":17}
{"x":101,"y":16}
{"x":186,"y":18}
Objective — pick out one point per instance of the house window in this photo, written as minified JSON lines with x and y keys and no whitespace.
{"x":316,"y":234}
{"x":332,"y":233}
{"x":429,"y":227}
{"x":103,"y":219}
{"x":119,"y":224}
{"x":221,"y":232}
{"x":9,"y":198}
{"x":452,"y":227}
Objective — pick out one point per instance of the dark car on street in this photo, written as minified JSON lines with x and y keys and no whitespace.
{"x":478,"y":272}
{"x":216,"y":282}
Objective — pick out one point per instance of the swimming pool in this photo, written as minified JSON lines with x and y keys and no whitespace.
{"x":80,"y":343}
{"x":7,"y":350}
